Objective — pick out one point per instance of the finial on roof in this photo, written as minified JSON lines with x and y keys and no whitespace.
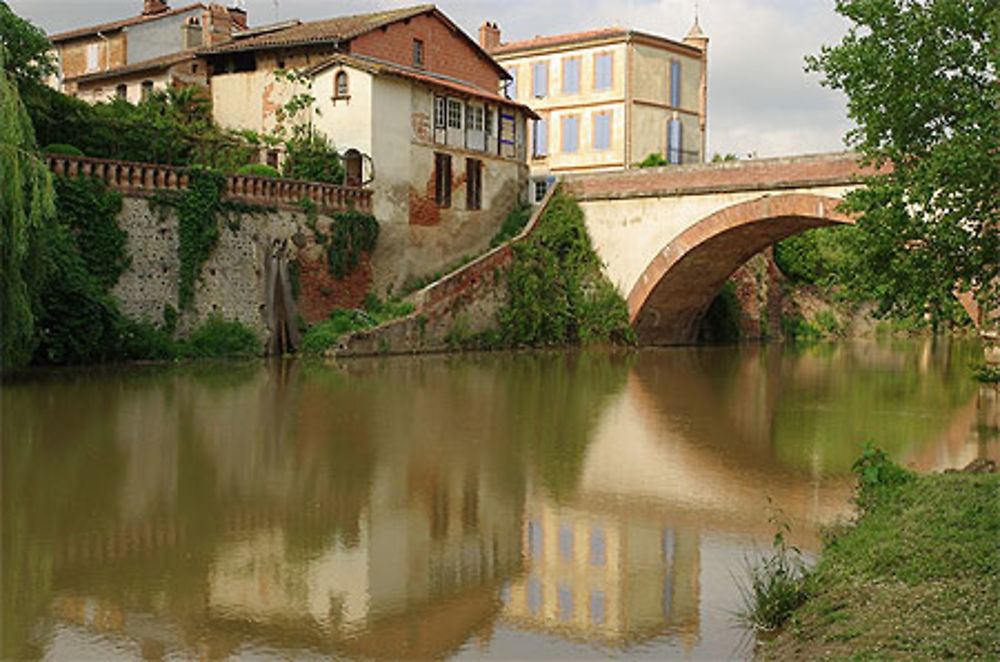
{"x":695,"y":36}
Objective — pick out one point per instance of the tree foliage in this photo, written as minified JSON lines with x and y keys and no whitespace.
{"x":27,"y":48}
{"x":921,"y":81}
{"x":26,"y":205}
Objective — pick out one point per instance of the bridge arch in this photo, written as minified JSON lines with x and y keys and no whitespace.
{"x":671,"y":296}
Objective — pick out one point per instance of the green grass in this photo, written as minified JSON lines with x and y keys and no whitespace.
{"x":917,"y":578}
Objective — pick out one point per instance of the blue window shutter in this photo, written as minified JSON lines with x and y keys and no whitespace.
{"x":674,"y":141}
{"x":675,"y":84}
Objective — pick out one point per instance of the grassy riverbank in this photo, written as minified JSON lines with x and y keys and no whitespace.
{"x":918,"y":577}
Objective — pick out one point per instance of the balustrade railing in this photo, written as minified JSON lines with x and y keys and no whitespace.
{"x":134,"y":178}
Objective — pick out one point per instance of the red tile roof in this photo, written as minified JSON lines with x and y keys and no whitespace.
{"x":375,"y":66}
{"x":579,"y":37}
{"x":156,"y":63}
{"x":337,"y":29}
{"x":118,"y":25}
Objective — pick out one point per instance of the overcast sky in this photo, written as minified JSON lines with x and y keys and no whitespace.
{"x":760,"y":99}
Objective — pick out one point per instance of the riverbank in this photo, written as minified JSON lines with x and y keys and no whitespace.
{"x":917,"y":578}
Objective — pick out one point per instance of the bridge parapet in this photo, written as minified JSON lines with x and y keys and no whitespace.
{"x":773,"y":175}
{"x":143,"y":179}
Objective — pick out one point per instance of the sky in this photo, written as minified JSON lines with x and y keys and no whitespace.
{"x":761,"y":101}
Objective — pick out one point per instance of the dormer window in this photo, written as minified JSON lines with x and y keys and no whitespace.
{"x":340,"y":87}
{"x":418,"y":54}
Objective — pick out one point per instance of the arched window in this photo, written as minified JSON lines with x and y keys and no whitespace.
{"x":340,"y":89}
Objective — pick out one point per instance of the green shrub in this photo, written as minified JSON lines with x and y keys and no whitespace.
{"x":555,"y":290}
{"x":217,"y":338}
{"x":258,"y":170}
{"x":323,"y":335}
{"x":59,"y":148}
{"x":654,"y":160}
{"x":798,"y":329}
{"x":512,"y":224}
{"x":313,"y":158}
{"x":878,"y":477}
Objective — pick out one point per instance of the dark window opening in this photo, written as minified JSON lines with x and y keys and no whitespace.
{"x":147,"y":89}
{"x":418,"y":53}
{"x":272,"y":158}
{"x":281,"y":64}
{"x":122,"y":92}
{"x":473,"y":184}
{"x":442,"y":180}
{"x":341,"y":89}
{"x":242,"y":62}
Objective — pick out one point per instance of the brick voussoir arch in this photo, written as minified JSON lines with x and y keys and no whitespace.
{"x":673,"y":292}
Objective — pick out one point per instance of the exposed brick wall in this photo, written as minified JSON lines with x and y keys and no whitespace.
{"x":320,"y":292}
{"x":444,"y":51}
{"x":73,"y":55}
{"x":423,"y":210}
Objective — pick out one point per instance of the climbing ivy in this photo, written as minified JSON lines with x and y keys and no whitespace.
{"x":351,"y":234}
{"x":91,"y":212}
{"x":197,"y":224}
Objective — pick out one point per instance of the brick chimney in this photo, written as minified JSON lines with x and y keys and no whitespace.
{"x":489,"y":36}
{"x":238,"y":16}
{"x":154,"y":7}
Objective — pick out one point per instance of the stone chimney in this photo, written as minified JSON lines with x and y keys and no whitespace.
{"x":154,"y":7}
{"x":489,"y":36}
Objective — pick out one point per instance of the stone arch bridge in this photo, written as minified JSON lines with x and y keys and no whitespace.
{"x":670,"y":237}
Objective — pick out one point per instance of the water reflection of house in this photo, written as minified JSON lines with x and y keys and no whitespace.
{"x":433,"y":548}
{"x":605,"y":576}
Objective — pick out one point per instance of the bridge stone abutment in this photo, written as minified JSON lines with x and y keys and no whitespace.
{"x":670,"y":237}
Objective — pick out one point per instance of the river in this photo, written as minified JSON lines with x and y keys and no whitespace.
{"x":500,"y":506}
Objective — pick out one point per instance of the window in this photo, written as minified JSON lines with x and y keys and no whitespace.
{"x":566,"y":542}
{"x":440,"y":112}
{"x":442,"y":180}
{"x":473,"y":184}
{"x":602,"y":71}
{"x":602,"y":130}
{"x":147,"y":89}
{"x":540,"y":79}
{"x":674,"y":141}
{"x":597,"y":545}
{"x":418,"y":53}
{"x":474,"y":118}
{"x":564,"y":602}
{"x":488,"y":121}
{"x":272,"y":158}
{"x":541,"y":139}
{"x":570,"y":134}
{"x":675,"y":84}
{"x":92,"y":56}
{"x":534,"y":595}
{"x":541,"y":188}
{"x":535,"y":539}
{"x":122,"y":92}
{"x":512,"y":85}
{"x":454,"y":114}
{"x":597,"y":607}
{"x":340,"y":90}
{"x":571,"y":75}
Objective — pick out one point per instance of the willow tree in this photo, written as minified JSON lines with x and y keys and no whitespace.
{"x":26,"y":203}
{"x":921,"y":79}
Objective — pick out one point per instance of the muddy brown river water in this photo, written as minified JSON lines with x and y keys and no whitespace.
{"x":502,"y":506}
